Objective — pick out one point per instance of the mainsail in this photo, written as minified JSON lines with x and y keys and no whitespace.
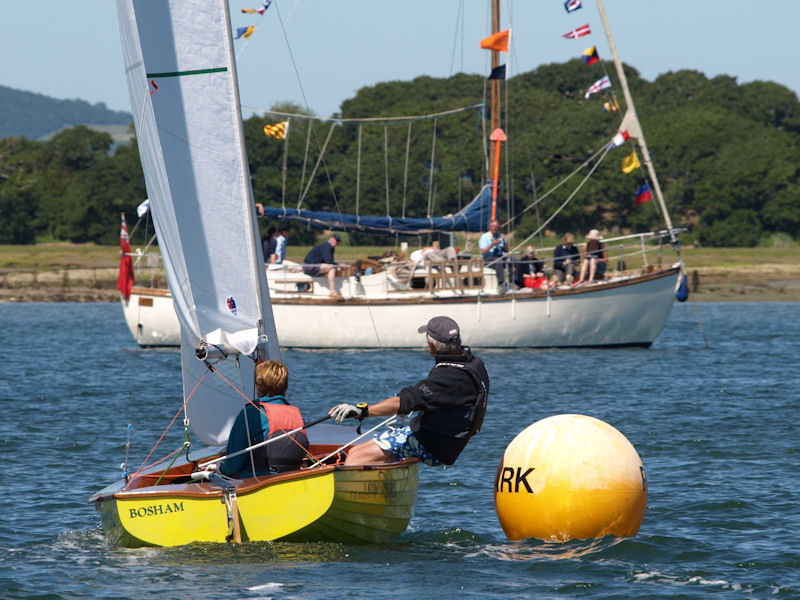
{"x":473,"y":217}
{"x":182,"y":81}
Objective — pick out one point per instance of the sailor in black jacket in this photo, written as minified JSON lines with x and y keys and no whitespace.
{"x":450,"y":405}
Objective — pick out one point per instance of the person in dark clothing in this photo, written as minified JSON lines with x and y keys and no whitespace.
{"x":319,"y":261}
{"x":269,"y":417}
{"x":268,"y":245}
{"x":450,"y":405}
{"x":566,"y":259}
{"x":531,"y":268}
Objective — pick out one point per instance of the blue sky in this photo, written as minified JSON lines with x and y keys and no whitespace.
{"x":71,"y":49}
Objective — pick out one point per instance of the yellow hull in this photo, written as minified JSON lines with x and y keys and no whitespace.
{"x":173,"y":515}
{"x":370,"y":504}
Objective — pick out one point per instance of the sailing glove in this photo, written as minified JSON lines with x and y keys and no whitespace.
{"x":340,"y":412}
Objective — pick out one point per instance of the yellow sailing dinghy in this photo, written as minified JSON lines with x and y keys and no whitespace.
{"x":181,"y":76}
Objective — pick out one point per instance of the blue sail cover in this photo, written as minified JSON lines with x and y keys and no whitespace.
{"x":473,"y":217}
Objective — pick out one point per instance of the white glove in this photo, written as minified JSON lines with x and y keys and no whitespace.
{"x":340,"y":412}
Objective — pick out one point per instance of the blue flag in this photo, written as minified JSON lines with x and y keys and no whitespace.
{"x":572,"y":5}
{"x":498,"y":72}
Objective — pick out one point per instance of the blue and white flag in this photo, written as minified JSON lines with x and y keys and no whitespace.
{"x":142,"y":209}
{"x":572,"y":5}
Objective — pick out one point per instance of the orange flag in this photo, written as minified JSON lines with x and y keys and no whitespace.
{"x":497,"y":41}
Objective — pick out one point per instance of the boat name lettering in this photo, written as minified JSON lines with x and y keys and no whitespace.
{"x":513,"y":477}
{"x":156,"y":509}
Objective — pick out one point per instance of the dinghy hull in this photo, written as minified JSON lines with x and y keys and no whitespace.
{"x":368,"y":504}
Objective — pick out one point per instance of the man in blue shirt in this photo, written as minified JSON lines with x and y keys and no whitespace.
{"x":319,"y":261}
{"x":494,"y":250}
{"x":279,"y":255}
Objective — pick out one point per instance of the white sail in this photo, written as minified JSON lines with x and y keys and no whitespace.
{"x":182,"y":81}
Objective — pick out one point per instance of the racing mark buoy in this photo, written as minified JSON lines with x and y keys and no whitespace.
{"x":570,"y":476}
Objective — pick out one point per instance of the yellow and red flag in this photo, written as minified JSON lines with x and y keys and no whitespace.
{"x":277,"y":131}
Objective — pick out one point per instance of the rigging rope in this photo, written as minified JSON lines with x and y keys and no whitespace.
{"x":377,"y":121}
{"x":405,"y":170}
{"x":182,"y":408}
{"x":535,"y":203}
{"x":603,"y":154}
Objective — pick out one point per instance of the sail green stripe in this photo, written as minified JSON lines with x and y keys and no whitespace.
{"x":182,"y":73}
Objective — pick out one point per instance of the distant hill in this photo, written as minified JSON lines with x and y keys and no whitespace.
{"x":37,"y":116}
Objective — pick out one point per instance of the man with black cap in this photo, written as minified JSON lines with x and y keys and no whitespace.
{"x":450,"y":405}
{"x":319,"y":261}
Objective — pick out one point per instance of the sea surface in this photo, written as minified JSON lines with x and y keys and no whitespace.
{"x":712,"y":411}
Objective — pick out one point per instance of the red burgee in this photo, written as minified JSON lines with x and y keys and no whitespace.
{"x":125,"y":278}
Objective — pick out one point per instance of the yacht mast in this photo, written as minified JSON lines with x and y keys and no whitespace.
{"x":494,"y":148}
{"x":631,"y":122}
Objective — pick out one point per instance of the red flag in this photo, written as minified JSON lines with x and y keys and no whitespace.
{"x":497,"y":41}
{"x":125,"y":278}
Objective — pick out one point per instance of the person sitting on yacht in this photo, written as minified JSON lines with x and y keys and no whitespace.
{"x":566,"y":259}
{"x":270,"y":416}
{"x":595,"y":258}
{"x":494,"y":251}
{"x":278,"y":256}
{"x":530,"y":270}
{"x":319,"y":261}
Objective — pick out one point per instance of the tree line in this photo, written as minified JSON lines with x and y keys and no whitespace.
{"x":727,"y":157}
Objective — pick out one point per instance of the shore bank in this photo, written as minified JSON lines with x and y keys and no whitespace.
{"x":765,"y":283}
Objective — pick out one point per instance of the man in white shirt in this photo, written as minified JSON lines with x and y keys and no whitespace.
{"x":493,"y":248}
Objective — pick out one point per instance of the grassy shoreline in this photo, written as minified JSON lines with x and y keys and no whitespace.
{"x":87,"y":272}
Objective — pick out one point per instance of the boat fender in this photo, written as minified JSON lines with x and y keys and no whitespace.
{"x":682,"y":294}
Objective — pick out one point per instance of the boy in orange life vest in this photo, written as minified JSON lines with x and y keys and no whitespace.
{"x":270,"y":416}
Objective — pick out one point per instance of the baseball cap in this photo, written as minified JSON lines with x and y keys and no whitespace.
{"x":443,"y":329}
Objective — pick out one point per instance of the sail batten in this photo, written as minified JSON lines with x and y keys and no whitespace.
{"x":182,"y":82}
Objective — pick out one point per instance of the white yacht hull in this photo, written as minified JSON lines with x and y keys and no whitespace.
{"x":151,"y":317}
{"x":626,"y":312}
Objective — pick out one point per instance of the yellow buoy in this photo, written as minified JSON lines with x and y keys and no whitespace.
{"x":570,"y":476}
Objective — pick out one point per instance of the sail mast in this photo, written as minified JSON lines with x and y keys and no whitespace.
{"x":267,"y":325}
{"x":494,"y":149}
{"x":631,"y":122}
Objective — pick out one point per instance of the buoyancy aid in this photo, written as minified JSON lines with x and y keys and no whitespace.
{"x":462,"y":421}
{"x":287,"y":453}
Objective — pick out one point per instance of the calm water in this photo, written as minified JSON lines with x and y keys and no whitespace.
{"x":715,"y":427}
